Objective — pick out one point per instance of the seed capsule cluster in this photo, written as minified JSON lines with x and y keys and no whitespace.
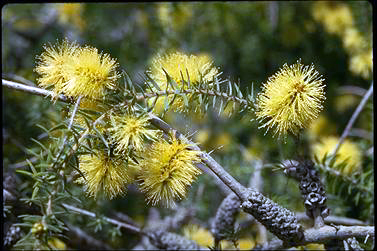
{"x":278,"y":220}
{"x":223,"y":225}
{"x":311,"y":187}
{"x":170,"y":241}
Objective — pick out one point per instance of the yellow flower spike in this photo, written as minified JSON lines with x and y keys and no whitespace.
{"x":348,"y":151}
{"x":198,"y":67}
{"x":177,"y":64}
{"x":53,"y":65}
{"x":290,"y":99}
{"x":103,"y":173}
{"x":130,"y":131}
{"x":167,"y":170}
{"x":90,"y":73}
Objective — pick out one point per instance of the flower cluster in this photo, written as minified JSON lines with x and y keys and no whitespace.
{"x":104,"y":173}
{"x":167,"y":169}
{"x":291,"y":99}
{"x":129,"y":131}
{"x":184,"y":70}
{"x":76,"y":71}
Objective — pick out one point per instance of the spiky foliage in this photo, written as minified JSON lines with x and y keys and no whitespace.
{"x":291,"y":99}
{"x":355,"y":187}
{"x":167,"y":169}
{"x":348,"y":153}
{"x":182,"y":68}
{"x":191,"y":83}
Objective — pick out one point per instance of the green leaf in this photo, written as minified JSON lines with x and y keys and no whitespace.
{"x":40,"y":144}
{"x":25,"y":172}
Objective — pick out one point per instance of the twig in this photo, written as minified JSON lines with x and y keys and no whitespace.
{"x":323,"y":234}
{"x":132,"y":228}
{"x":18,"y":78}
{"x":32,"y":90}
{"x":361,"y":133}
{"x":338,"y":220}
{"x":353,"y":118}
{"x":350,"y":89}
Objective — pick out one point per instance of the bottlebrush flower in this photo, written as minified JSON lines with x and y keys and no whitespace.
{"x":129,"y":131}
{"x":348,"y":151}
{"x":167,"y":170}
{"x":90,"y":73}
{"x":178,"y":64}
{"x":181,"y":68}
{"x":109,"y":174}
{"x":53,"y":63}
{"x":76,"y":71}
{"x":290,"y":99}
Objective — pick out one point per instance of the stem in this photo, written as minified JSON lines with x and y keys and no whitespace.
{"x":32,"y":90}
{"x":353,"y":118}
{"x":322,"y":235}
{"x":132,"y":228}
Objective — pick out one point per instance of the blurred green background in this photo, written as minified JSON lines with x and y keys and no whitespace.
{"x":248,"y":41}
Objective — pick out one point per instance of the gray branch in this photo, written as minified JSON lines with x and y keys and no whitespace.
{"x":323,"y":234}
{"x":353,"y":118}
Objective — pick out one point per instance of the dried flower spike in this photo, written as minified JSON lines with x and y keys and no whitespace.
{"x":104,"y":173}
{"x":290,"y":99}
{"x":129,"y":131}
{"x":167,"y":170}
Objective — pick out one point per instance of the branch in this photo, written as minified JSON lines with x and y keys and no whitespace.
{"x":33,"y":90}
{"x":129,"y":227}
{"x":199,"y":91}
{"x":338,"y":220}
{"x":324,"y":234}
{"x":353,"y":118}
